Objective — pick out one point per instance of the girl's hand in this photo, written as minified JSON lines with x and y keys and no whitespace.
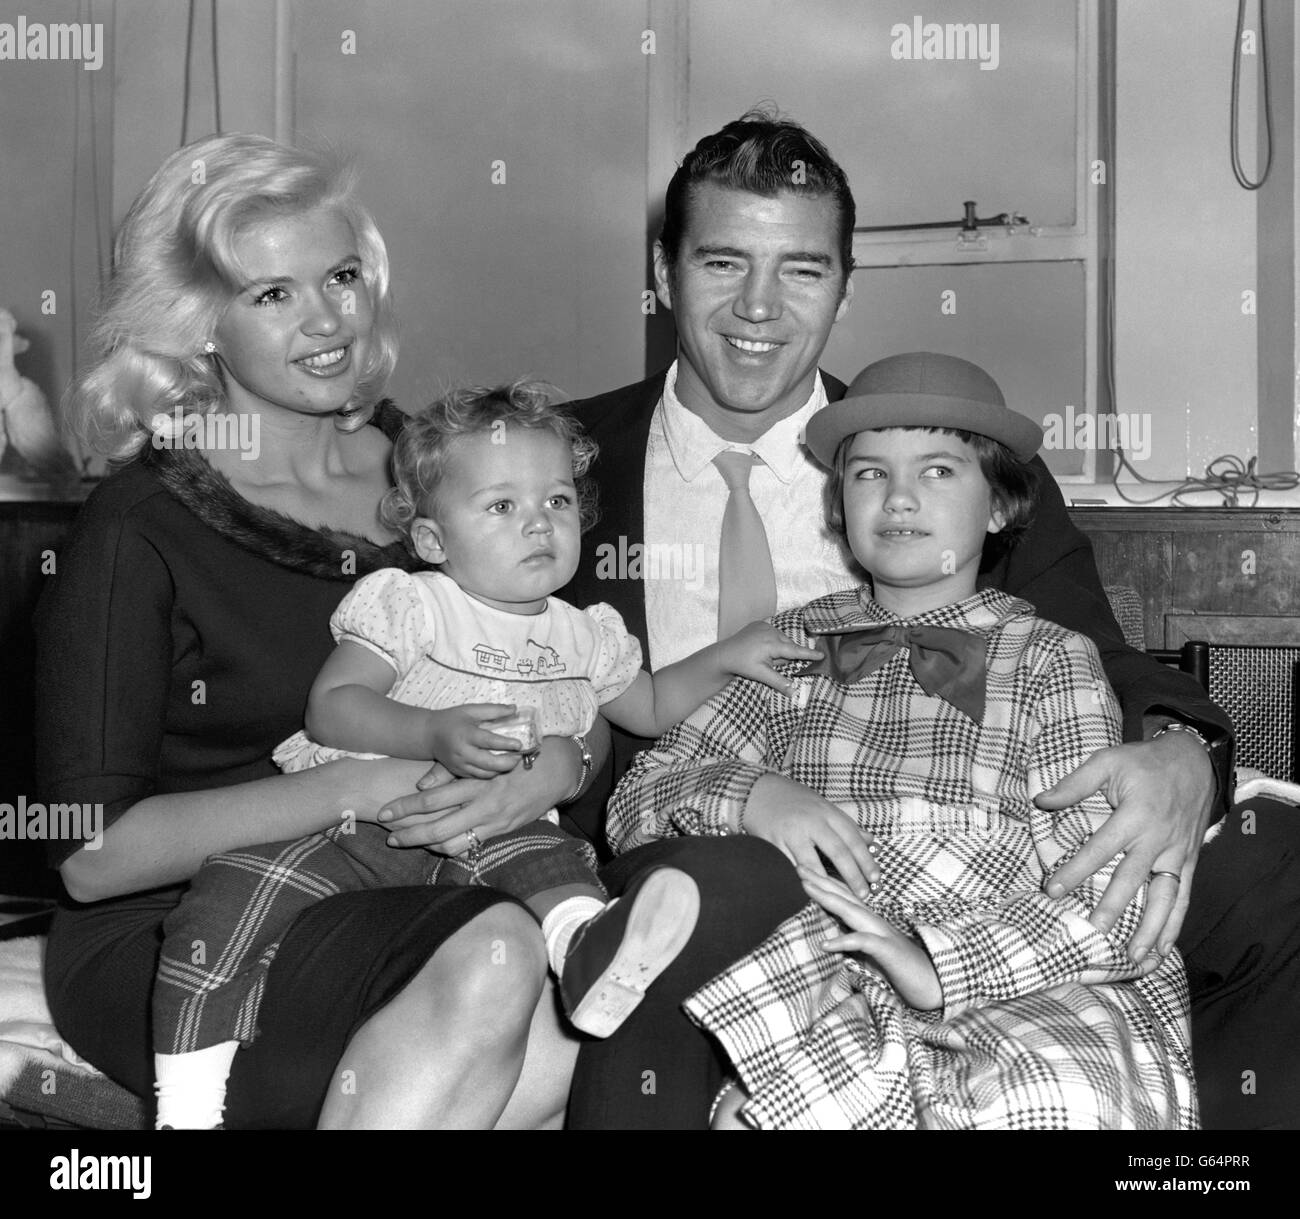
{"x":468,"y":750}
{"x":437,"y":816}
{"x":899,"y":957}
{"x":751,"y":651}
{"x":804,"y":825}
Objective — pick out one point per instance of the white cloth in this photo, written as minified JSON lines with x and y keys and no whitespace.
{"x":448,"y":649}
{"x":685,"y":497}
{"x":27,"y":1032}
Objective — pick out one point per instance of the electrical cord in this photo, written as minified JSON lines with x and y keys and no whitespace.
{"x":1234,"y":136}
{"x":1227,"y":475}
{"x":216,"y":71}
{"x":69,"y":438}
{"x":185,"y":76}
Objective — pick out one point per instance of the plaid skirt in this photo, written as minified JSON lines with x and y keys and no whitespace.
{"x":820,"y":1041}
{"x":241,"y":903}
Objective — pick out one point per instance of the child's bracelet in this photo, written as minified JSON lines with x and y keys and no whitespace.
{"x":587,"y":764}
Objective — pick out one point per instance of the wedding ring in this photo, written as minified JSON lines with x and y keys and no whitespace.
{"x":1178,"y":880}
{"x":474,"y":845}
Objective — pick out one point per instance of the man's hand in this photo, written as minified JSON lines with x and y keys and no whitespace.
{"x":1162,"y":792}
{"x":900,"y":958}
{"x":799,"y":822}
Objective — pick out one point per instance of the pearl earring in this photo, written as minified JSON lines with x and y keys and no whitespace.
{"x":210,"y":348}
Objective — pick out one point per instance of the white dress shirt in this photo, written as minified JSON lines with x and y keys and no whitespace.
{"x":685,"y":497}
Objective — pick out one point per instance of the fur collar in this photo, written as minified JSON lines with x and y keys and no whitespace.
{"x":207,"y":493}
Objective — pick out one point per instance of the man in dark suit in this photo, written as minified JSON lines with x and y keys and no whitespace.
{"x":754,"y":261}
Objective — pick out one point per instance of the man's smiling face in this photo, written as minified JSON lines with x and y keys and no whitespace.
{"x":755,"y":290}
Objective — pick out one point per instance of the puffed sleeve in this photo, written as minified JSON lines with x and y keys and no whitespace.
{"x":386,"y":613}
{"x":103,"y":667}
{"x":617,"y":660}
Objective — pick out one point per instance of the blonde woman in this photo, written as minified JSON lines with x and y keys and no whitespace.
{"x":243,"y":346}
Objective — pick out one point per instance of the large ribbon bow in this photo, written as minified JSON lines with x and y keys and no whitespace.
{"x":946,"y":662}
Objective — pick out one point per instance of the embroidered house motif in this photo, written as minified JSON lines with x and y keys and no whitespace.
{"x":491,"y":658}
{"x":545,"y":660}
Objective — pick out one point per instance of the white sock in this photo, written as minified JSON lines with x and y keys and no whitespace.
{"x":191,"y":1088}
{"x":559,"y":926}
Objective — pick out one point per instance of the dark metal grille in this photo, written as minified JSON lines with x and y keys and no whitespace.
{"x":1256,"y":686}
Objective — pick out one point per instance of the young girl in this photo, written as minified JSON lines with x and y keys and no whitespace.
{"x":434,"y":666}
{"x":960,"y":995}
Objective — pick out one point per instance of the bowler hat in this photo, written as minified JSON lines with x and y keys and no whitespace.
{"x":922,"y":389}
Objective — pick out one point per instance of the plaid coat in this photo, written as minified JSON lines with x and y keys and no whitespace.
{"x":1042,"y":1024}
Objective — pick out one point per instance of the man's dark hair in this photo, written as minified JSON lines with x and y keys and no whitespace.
{"x":765,"y":155}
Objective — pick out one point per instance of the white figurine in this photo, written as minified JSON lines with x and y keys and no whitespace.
{"x":26,"y":421}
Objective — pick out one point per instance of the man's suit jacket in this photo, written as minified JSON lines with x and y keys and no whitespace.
{"x":1051,"y":567}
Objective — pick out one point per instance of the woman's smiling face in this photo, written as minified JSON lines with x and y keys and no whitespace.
{"x":297,"y":333}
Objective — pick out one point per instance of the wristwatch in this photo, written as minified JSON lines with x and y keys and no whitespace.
{"x":1211,"y":752}
{"x":580,"y":740}
{"x":1179,"y":726}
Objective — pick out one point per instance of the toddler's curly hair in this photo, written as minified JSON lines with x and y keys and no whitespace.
{"x":424,"y":447}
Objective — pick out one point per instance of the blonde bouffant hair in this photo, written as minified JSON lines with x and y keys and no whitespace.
{"x":175,"y":272}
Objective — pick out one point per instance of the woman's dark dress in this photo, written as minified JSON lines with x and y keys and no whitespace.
{"x":176,"y":647}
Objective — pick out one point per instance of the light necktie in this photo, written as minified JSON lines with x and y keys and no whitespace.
{"x":746,"y":580}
